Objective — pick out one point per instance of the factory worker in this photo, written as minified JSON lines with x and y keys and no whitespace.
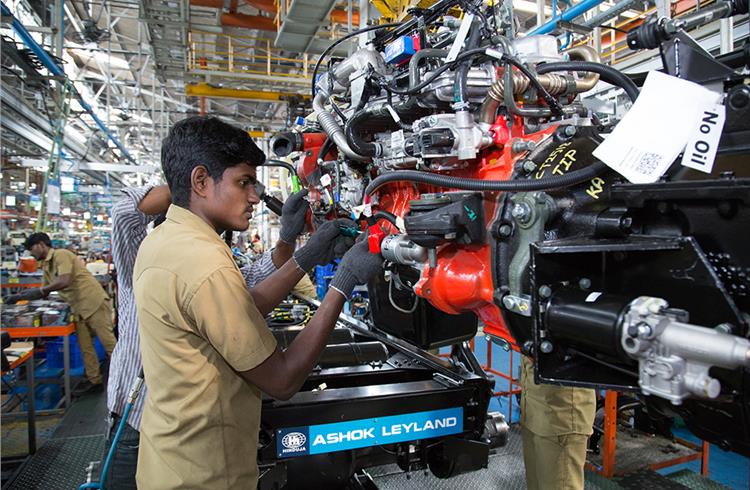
{"x":207,"y":352}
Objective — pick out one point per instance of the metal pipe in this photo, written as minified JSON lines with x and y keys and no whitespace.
{"x":585,"y":53}
{"x":52,"y":66}
{"x":332,"y":128}
{"x":575,"y":11}
{"x":610,"y":13}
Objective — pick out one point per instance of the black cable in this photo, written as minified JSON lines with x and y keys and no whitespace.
{"x":338,"y":111}
{"x":548,"y":98}
{"x":416,"y":176}
{"x":325,"y":148}
{"x":436,"y":73}
{"x":272,"y":162}
{"x":339,"y":41}
{"x":606,"y":74}
{"x":382,"y":214}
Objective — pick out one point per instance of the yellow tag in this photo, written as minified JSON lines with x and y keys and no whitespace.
{"x":14,"y":280}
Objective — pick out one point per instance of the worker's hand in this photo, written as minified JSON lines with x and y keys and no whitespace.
{"x":293,"y":215}
{"x":357,"y":267}
{"x":28,"y":295}
{"x":324,"y":245}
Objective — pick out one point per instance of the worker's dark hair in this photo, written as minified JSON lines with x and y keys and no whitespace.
{"x":35,"y":238}
{"x":206,"y":141}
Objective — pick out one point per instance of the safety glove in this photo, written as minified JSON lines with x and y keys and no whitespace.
{"x":293,"y":215}
{"x":326,"y":244}
{"x":357,"y":267}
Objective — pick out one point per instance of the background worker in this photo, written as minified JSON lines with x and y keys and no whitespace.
{"x":67,"y":275}
{"x":131,"y":217}
{"x":556,"y":422}
{"x":204,"y":339}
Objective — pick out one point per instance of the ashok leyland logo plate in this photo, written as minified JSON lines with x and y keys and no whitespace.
{"x":342,"y":436}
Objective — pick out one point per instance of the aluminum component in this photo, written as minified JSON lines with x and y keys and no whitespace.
{"x":479,"y":80}
{"x":401,"y":250}
{"x":674,"y":357}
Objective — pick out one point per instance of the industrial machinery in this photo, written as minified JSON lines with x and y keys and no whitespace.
{"x":375,"y":400}
{"x":467,"y":151}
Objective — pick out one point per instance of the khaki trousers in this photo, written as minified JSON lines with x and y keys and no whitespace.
{"x":101,"y":324}
{"x":554,"y":462}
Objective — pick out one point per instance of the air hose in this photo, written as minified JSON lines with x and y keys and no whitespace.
{"x":135,"y":390}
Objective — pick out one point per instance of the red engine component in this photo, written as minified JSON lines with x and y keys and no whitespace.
{"x":462,"y":279}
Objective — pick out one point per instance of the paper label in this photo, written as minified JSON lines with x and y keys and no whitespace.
{"x":53,"y":196}
{"x":325,"y":180}
{"x":593,"y":297}
{"x":656,"y":129}
{"x":700,"y":152}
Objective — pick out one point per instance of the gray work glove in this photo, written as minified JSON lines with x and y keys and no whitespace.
{"x":293,"y":215}
{"x":28,"y":295}
{"x":326,"y":244}
{"x":357,"y":267}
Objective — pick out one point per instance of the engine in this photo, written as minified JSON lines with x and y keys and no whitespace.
{"x":467,"y":153}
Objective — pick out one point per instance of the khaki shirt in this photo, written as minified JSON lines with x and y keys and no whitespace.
{"x":199,"y":327}
{"x":84,"y":295}
{"x":551,"y":410}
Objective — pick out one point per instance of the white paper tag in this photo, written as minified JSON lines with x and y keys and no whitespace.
{"x":325,"y":180}
{"x":703,"y":143}
{"x":593,"y":297}
{"x":656,"y":129}
{"x":458,"y":43}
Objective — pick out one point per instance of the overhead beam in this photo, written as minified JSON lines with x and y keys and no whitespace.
{"x":206,"y":90}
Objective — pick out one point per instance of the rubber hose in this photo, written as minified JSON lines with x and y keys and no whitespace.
{"x":353,"y":138}
{"x":386,"y":216}
{"x":271,"y":162}
{"x":606,"y":74}
{"x":325,"y":148}
{"x":572,"y":178}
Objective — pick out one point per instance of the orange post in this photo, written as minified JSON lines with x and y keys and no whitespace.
{"x":704,"y":459}
{"x":610,"y":433}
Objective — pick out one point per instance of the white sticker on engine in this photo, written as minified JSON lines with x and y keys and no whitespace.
{"x":655,"y":131}
{"x":703,"y":143}
{"x":593,"y":297}
{"x":325,"y":180}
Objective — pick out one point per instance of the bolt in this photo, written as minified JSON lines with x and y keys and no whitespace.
{"x":546,"y":346}
{"x":505,"y":230}
{"x":509,"y":302}
{"x":529,"y":166}
{"x":584,"y":283}
{"x":570,"y":130}
{"x":545,"y":291}
{"x":724,"y":328}
{"x":521,"y":212}
{"x":626,"y":223}
{"x":528,"y":348}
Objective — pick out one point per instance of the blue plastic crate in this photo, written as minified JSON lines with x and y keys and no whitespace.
{"x":323,"y":276}
{"x":55,"y":353}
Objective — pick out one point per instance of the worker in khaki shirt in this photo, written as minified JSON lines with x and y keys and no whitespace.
{"x":67,"y":275}
{"x":207,"y":352}
{"x":556,"y":422}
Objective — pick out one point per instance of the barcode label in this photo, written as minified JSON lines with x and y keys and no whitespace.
{"x":646,"y":163}
{"x":653,"y":133}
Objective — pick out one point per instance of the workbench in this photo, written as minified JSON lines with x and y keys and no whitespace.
{"x":65,"y":332}
{"x":19,"y":354}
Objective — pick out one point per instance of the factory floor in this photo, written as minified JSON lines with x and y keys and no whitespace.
{"x":67,"y":444}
